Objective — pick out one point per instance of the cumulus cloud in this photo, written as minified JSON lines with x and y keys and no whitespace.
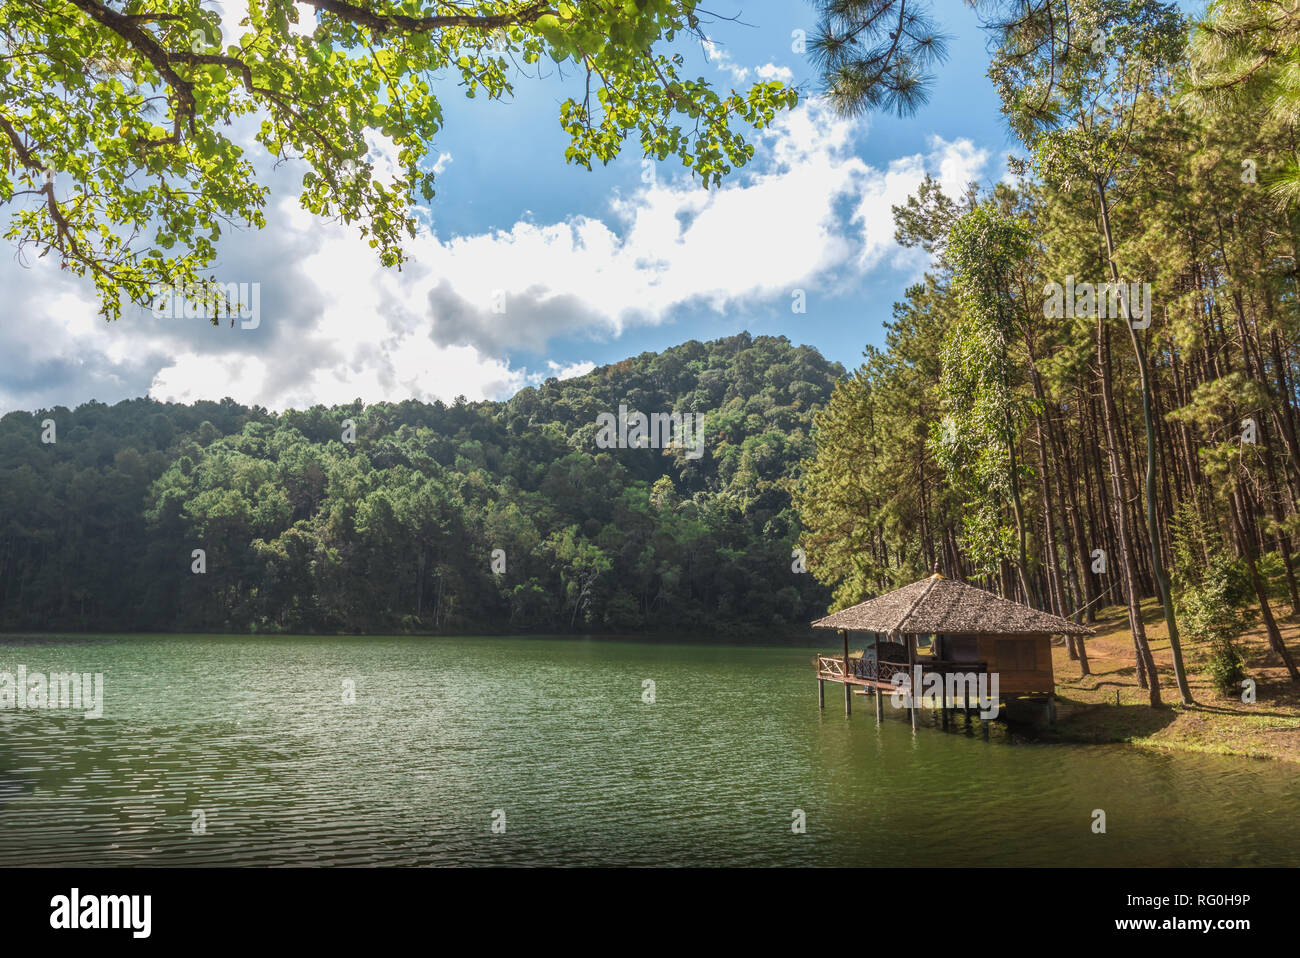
{"x":722,"y":60}
{"x":772,"y":71}
{"x":954,"y":164}
{"x":570,"y":370}
{"x":465,"y":311}
{"x":813,"y":214}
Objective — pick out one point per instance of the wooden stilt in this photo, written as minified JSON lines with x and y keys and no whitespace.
{"x":821,"y":693}
{"x":875,"y":673}
{"x":911,"y":672}
{"x":848,"y":689}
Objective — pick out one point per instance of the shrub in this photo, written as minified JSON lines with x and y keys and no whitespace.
{"x":1225,"y":665}
{"x":1214,"y":612}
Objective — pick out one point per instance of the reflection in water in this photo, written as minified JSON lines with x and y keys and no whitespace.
{"x":255,"y":734}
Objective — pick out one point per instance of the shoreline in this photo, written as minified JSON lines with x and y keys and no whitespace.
{"x":795,"y":640}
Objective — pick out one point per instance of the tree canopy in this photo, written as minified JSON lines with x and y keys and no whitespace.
{"x":1060,"y":455}
{"x":395,"y":525}
{"x":122,"y":121}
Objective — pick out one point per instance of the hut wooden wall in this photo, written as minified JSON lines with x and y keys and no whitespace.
{"x":1023,"y":663}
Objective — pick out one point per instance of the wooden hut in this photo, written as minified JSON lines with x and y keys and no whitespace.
{"x":945,"y":626}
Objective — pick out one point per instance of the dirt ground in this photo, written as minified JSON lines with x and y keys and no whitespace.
{"x":1087,"y":709}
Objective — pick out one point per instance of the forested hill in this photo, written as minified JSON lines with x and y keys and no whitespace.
{"x":304,"y":526}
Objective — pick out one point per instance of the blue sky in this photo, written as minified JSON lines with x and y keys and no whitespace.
{"x":592,"y":267}
{"x":840,"y":320}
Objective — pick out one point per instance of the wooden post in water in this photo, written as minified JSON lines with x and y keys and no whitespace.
{"x":911,"y":676}
{"x":875,"y":647}
{"x":821,"y":693}
{"x":848,"y":689}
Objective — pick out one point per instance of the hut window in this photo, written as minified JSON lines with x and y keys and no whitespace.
{"x":961,"y":648}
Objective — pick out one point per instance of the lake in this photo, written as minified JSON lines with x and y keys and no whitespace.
{"x":218,"y":750}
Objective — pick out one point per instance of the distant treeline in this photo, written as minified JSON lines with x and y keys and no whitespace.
{"x":303,"y":531}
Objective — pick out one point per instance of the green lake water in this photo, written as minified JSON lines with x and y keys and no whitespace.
{"x":554,"y":736}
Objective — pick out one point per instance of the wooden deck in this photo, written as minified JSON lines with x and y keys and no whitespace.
{"x":863,"y":676}
{"x":871,"y":674}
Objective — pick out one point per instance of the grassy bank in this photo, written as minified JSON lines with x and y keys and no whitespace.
{"x":1087,"y":709}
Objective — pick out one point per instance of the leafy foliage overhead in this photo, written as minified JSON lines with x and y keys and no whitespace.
{"x":122,"y":120}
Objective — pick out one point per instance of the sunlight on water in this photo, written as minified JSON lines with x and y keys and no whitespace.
{"x":555,"y":734}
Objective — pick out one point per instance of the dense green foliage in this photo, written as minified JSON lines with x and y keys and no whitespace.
{"x":1214,"y":598}
{"x":1214,"y":611}
{"x":1046,"y":452}
{"x":1245,"y":59}
{"x":975,"y":441}
{"x":396,"y":530}
{"x":116,"y":127}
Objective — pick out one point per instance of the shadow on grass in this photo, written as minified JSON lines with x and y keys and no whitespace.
{"x":1220,"y":710}
{"x":1097,"y":723}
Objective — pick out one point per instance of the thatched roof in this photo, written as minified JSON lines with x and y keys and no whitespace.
{"x":949,"y":607}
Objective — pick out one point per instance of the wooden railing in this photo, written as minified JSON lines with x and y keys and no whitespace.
{"x":832,"y":667}
{"x":883,"y":671}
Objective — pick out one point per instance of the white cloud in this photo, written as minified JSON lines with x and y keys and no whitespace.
{"x":336,"y":326}
{"x":773,"y":71}
{"x":570,"y":370}
{"x":954,"y":164}
{"x":722,"y":60}
{"x":813,"y":209}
